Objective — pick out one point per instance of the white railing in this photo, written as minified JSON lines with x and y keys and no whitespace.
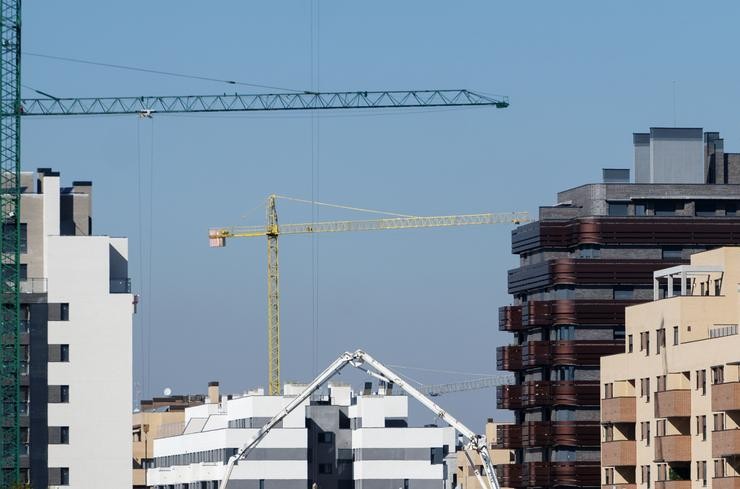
{"x":720,"y":330}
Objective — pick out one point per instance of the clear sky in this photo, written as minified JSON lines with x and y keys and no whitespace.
{"x":582,"y":76}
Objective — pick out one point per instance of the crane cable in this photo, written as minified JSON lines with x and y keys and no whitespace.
{"x":339,"y":206}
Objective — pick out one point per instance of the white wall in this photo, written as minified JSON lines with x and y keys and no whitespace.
{"x":99,"y":372}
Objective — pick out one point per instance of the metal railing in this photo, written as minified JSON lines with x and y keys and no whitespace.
{"x":720,"y":330}
{"x":33,"y":286}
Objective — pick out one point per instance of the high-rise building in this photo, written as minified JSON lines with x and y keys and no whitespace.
{"x":670,"y":407}
{"x":342,"y":439}
{"x":76,"y":319}
{"x":588,"y":257}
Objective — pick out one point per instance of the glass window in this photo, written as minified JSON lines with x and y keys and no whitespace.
{"x":675,"y":335}
{"x":623,"y":293}
{"x":630,"y":347}
{"x":63,"y":353}
{"x":665,"y":207}
{"x":23,"y":272}
{"x":64,"y":435}
{"x":706,"y":208}
{"x":64,"y":476}
{"x":672,"y":253}
{"x":640,"y":209}
{"x":618,"y":209}
{"x":64,"y":312}
{"x":63,"y":393}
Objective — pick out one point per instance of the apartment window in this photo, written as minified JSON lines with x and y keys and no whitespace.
{"x":630,"y":347}
{"x":608,"y":391}
{"x":640,"y":209}
{"x":665,"y":207}
{"x":58,"y":476}
{"x":660,"y":431}
{"x":623,"y":293}
{"x":659,"y":340}
{"x":719,"y":421}
{"x":618,"y":209}
{"x":609,"y":476}
{"x":719,"y":468}
{"x":661,"y":380}
{"x":718,"y":374}
{"x":262,"y":484}
{"x":436,"y":455}
{"x":645,"y":432}
{"x":675,"y":335}
{"x":406,"y":482}
{"x":701,"y":381}
{"x":646,"y":475}
{"x":661,"y":472}
{"x":59,"y":353}
{"x":645,"y":388}
{"x":325,"y":468}
{"x":608,"y":432}
{"x":58,"y":393}
{"x":672,"y":253}
{"x":58,"y":435}
{"x":701,"y":427}
{"x":64,"y":311}
{"x":326,"y":437}
{"x":64,"y":353}
{"x":23,"y":273}
{"x":701,"y":472}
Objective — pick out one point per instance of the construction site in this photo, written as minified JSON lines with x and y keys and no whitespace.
{"x":449,"y":288}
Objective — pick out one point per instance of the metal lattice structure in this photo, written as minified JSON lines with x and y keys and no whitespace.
{"x":272,"y":230}
{"x":259,"y":102}
{"x":10,"y":131}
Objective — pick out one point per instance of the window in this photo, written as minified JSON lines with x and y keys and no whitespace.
{"x":630,"y":347}
{"x":645,"y":388}
{"x":63,"y":353}
{"x":660,"y":430}
{"x":609,"y":476}
{"x":719,"y":421}
{"x":618,"y":209}
{"x":436,"y":455}
{"x":326,"y":437}
{"x":640,"y":210}
{"x":608,"y":432}
{"x":646,"y":475}
{"x":701,"y":381}
{"x":706,"y":208}
{"x":659,"y":340}
{"x":623,"y":293}
{"x":645,"y":432}
{"x":701,"y":427}
{"x":718,"y":374}
{"x":262,"y":483}
{"x":325,"y":468}
{"x":661,"y":381}
{"x":718,"y":286}
{"x":665,"y":207}
{"x":58,"y":435}
{"x":608,"y":391}
{"x":675,"y":335}
{"x":672,"y":253}
{"x":58,"y":393}
{"x":719,"y":468}
{"x":64,"y":312}
{"x":64,"y":393}
{"x":23,"y":273}
{"x":58,"y":476}
{"x":701,"y":472}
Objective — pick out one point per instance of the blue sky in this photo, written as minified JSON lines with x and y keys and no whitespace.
{"x":582,"y":76}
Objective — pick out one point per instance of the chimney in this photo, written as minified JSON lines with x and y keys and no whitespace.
{"x":213,"y":395}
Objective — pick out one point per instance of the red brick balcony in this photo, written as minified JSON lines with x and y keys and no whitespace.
{"x":726,"y":483}
{"x":673,"y":403}
{"x":618,"y":453}
{"x":673,"y":448}
{"x":726,"y":397}
{"x":618,"y":410}
{"x":725,"y":443}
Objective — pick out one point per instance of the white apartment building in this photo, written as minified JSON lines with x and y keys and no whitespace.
{"x":343,"y":440}
{"x":77,"y":313}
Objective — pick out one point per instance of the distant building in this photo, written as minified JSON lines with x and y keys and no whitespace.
{"x":589,"y":256}
{"x":670,"y":408}
{"x":340,"y":440}
{"x":160,"y":416}
{"x":76,"y":320}
{"x":465,"y":476}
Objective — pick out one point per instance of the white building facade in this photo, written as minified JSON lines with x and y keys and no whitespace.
{"x":77,"y":311}
{"x":342,"y":440}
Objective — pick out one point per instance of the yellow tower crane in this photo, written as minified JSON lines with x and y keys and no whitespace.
{"x":218,"y":236}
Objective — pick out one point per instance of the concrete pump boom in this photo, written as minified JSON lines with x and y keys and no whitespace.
{"x":363,"y":361}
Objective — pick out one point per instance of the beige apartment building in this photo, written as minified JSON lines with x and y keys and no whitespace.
{"x":465,"y":475}
{"x":670,"y":405}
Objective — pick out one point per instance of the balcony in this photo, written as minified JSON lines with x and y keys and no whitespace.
{"x":618,"y":453}
{"x":618,"y":410}
{"x":32,"y":286}
{"x":726,"y":483}
{"x":586,"y":353}
{"x":548,"y":433}
{"x":510,"y":318}
{"x":725,"y":443}
{"x":509,"y":357}
{"x":618,"y":486}
{"x":673,"y":403}
{"x":726,"y":397}
{"x":673,"y":448}
{"x":548,"y":393}
{"x":549,"y":474}
{"x":120,"y":286}
{"x":673,"y":485}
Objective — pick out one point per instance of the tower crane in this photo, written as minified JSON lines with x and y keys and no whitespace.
{"x":13,"y":107}
{"x":271,"y":230}
{"x":363,"y":361}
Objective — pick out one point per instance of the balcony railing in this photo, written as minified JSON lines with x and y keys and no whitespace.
{"x":33,"y":286}
{"x":725,"y":443}
{"x":726,"y":397}
{"x":548,"y":433}
{"x":120,"y":286}
{"x":548,"y":393}
{"x":618,"y":453}
{"x":618,"y":410}
{"x":673,"y":448}
{"x":726,"y":483}
{"x":673,"y":485}
{"x":549,"y":474}
{"x":673,"y":403}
